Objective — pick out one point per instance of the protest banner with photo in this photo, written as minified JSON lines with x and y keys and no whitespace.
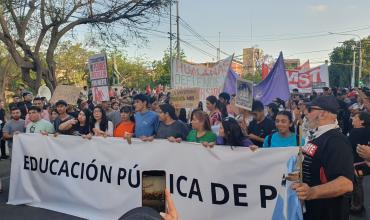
{"x":185,"y":98}
{"x":100,"y":93}
{"x":101,"y":178}
{"x":99,"y":77}
{"x":244,"y":94}
{"x":210,"y":80}
{"x":70,"y":94}
{"x":312,"y":79}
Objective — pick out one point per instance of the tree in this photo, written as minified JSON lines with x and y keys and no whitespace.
{"x":71,"y":62}
{"x":341,"y":59}
{"x":32,"y":29}
{"x":133,"y":73}
{"x":162,"y":68}
{"x":10,"y":77}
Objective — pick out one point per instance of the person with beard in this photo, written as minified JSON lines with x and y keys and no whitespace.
{"x":327,"y":167}
{"x":14,"y":126}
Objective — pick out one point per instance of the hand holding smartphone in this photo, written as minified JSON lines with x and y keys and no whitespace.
{"x":153,"y":189}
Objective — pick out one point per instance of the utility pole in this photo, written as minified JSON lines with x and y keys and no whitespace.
{"x":353,"y":67}
{"x":360,"y":65}
{"x":178,"y":29}
{"x":171,"y":44}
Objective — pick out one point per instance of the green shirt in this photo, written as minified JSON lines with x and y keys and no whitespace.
{"x":41,"y":125}
{"x":209,"y":136}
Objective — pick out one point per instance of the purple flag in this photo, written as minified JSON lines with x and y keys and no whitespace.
{"x":230,"y":82}
{"x":275,"y":85}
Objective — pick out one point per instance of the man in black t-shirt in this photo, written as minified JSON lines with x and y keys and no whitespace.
{"x":261,"y":126}
{"x":327,"y":166}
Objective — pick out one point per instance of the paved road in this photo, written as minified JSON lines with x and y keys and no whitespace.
{"x":10,"y":212}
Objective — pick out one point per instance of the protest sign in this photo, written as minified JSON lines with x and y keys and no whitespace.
{"x":210,"y":80}
{"x":100,"y":93}
{"x":70,"y":94}
{"x":99,"y":77}
{"x":244,"y":94}
{"x":101,"y":178}
{"x":185,"y":98}
{"x":312,"y":79}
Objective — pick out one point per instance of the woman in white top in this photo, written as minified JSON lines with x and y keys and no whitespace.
{"x":100,"y":124}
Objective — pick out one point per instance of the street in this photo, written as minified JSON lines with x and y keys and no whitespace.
{"x":10,"y":212}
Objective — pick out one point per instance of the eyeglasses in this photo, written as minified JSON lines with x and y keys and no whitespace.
{"x":310,"y":108}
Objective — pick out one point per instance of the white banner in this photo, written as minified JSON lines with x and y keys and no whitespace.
{"x":98,"y":178}
{"x":315,"y":78}
{"x":210,"y":80}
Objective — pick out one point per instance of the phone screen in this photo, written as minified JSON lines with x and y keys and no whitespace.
{"x":153,"y":187}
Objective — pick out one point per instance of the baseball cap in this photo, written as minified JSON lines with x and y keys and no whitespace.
{"x":327,"y":103}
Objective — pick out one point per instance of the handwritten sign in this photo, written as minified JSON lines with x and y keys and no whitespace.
{"x":70,"y":94}
{"x":185,"y":98}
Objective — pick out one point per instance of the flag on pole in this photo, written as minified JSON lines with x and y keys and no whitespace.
{"x":275,"y":85}
{"x":230,"y":82}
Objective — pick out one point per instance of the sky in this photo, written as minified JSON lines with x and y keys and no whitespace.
{"x":299,"y":28}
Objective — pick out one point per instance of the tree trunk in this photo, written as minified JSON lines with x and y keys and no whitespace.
{"x":4,"y":79}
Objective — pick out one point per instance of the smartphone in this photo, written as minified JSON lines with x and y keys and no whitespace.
{"x":153,"y":187}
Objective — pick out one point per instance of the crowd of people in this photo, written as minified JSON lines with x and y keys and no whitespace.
{"x":333,"y":126}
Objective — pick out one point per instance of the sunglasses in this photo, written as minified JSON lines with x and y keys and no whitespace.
{"x":310,"y":108}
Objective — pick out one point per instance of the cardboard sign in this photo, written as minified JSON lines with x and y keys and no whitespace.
{"x":70,"y":94}
{"x":244,"y":94}
{"x":185,"y":98}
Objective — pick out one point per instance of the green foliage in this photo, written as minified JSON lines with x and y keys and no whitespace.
{"x":341,"y":59}
{"x":162,"y":68}
{"x":256,"y":78}
{"x":132,"y":72}
{"x":71,"y":60}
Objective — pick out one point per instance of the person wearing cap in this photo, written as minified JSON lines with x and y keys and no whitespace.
{"x":261,"y":126}
{"x":37,"y":124}
{"x":170,"y":127}
{"x":327,"y":166}
{"x":61,"y":107}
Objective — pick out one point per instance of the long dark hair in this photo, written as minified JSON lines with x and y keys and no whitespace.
{"x":290,"y":118}
{"x":219,"y":105}
{"x":182,"y":115}
{"x":103,"y":125}
{"x":233,"y":133}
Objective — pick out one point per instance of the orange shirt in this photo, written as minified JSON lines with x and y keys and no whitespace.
{"x":124,"y":127}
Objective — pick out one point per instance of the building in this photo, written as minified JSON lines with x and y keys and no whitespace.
{"x":252,"y":58}
{"x":292,"y":64}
